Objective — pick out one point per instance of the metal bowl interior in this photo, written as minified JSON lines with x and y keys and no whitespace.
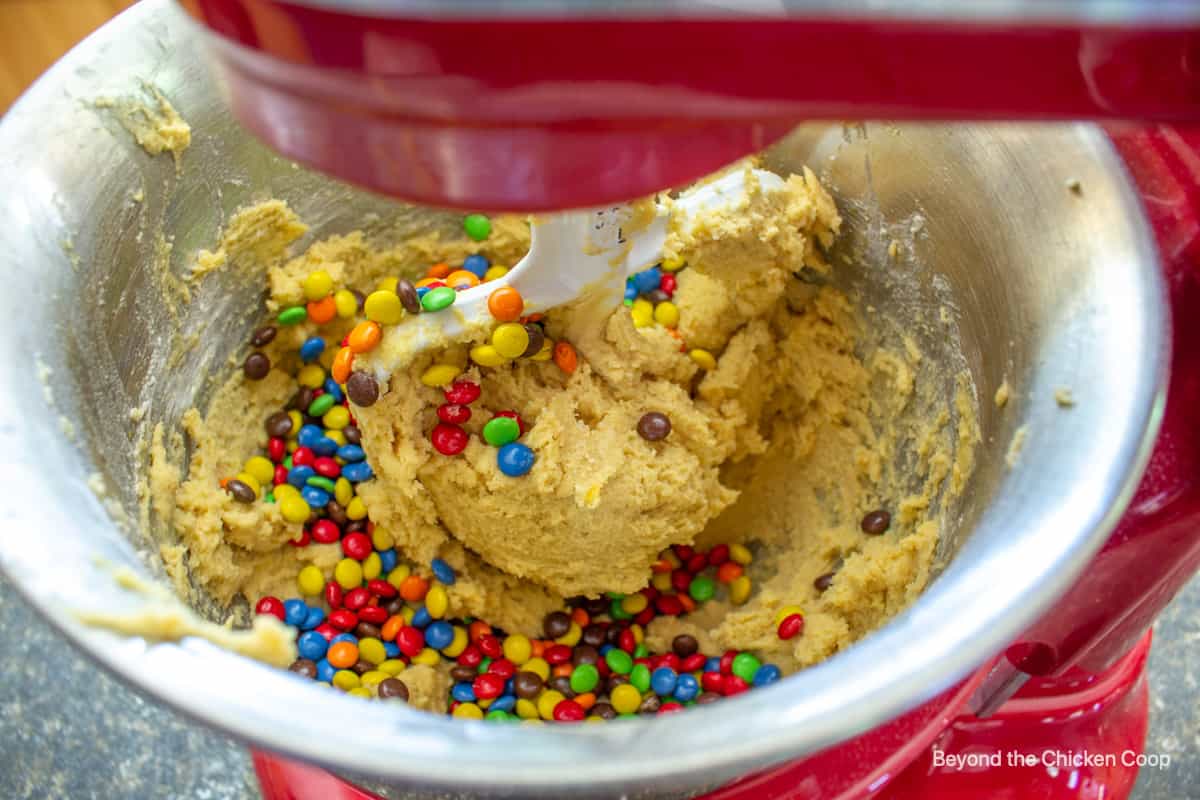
{"x":1046,"y":287}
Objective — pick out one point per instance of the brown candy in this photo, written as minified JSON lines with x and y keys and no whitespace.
{"x":706,"y":698}
{"x":394,"y":606}
{"x":305,"y":667}
{"x":650,"y":704}
{"x":462,"y":673}
{"x":362,"y":667}
{"x":562,"y":685}
{"x":685,"y":645}
{"x":336,"y":514}
{"x":537,"y":337}
{"x":594,"y":635}
{"x":614,"y":681}
{"x":302,"y":399}
{"x":352,"y":434}
{"x":256,"y":366}
{"x":823,"y":582}
{"x":240,"y":491}
{"x":362,"y":389}
{"x":263,"y":336}
{"x":392,"y":688}
{"x":585,"y":654}
{"x":657,"y":296}
{"x":527,"y":685}
{"x":279,"y":424}
{"x":654,"y":426}
{"x":408,"y":296}
{"x":595,"y":606}
{"x":556,"y":624}
{"x":366,"y":630}
{"x":604,"y":711}
{"x":876,"y":522}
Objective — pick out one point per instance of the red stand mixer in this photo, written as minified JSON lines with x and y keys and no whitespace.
{"x":538,"y":106}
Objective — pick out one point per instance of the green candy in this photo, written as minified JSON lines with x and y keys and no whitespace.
{"x":744,"y":666}
{"x":702,"y":588}
{"x":439,"y":298}
{"x":641,"y":651}
{"x":483,"y":665}
{"x":477,"y":226}
{"x":619,"y":661}
{"x":287,"y":462}
{"x":617,"y":612}
{"x":498,"y":716}
{"x":321,"y":482}
{"x":614,"y":595}
{"x":292,"y":316}
{"x":499,"y":431}
{"x":584,"y":678}
{"x":639,"y":677}
{"x":318,"y":407}
{"x":269,"y":497}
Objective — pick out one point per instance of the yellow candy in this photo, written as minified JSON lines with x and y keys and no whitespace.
{"x":639,"y":633}
{"x":538,"y":666}
{"x":436,"y":601}
{"x":408,"y":615}
{"x":546,"y":702}
{"x":485,"y":355}
{"x":261,"y":468}
{"x":634,"y":604}
{"x":348,"y":573}
{"x":427,"y":656}
{"x":387,"y":285}
{"x":336,"y":418}
{"x":625,"y":699}
{"x":495,"y":272}
{"x":297,"y":421}
{"x":383,"y":307}
{"x":741,"y":554}
{"x":343,"y":492}
{"x":468,"y":711}
{"x":337,"y":435}
{"x":317,"y":285}
{"x":595,"y":719}
{"x":546,"y":353}
{"x":397,"y":576}
{"x":510,"y":339}
{"x":527,"y":710}
{"x":457,"y":644}
{"x":517,"y":648}
{"x":251,"y":481}
{"x":311,"y":375}
{"x":372,"y":565}
{"x":326,"y":357}
{"x":371,"y":649}
{"x":356,"y":508}
{"x":671,"y":264}
{"x":440,"y":375}
{"x":311,"y":581}
{"x":704,"y":359}
{"x":661,"y":581}
{"x":571,"y":637}
{"x":642,"y":313}
{"x":292,"y":445}
{"x":346,"y":304}
{"x":393,"y":666}
{"x":381,"y":539}
{"x":739,"y":590}
{"x":372,"y":678}
{"x":361,"y":691}
{"x":666,"y":314}
{"x":294,"y":509}
{"x":786,"y":612}
{"x":345,"y":680}
{"x":285,"y":490}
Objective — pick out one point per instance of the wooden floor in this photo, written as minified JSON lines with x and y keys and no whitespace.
{"x":34,"y":33}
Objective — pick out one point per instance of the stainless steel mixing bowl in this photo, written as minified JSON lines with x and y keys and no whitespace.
{"x":1048,"y":287}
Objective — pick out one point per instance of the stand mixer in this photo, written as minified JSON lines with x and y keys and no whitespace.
{"x":546,"y":106}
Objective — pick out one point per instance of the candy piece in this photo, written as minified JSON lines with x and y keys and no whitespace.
{"x":477,"y":226}
{"x":462,"y":279}
{"x":438,"y":299}
{"x":703,"y":359}
{"x":438,"y":270}
{"x":322,"y":311}
{"x":345,"y":303}
{"x":408,"y":296}
{"x":383,"y":307}
{"x":565,"y":357}
{"x":874,"y":523}
{"x":454,"y":413}
{"x":362,"y":389}
{"x":515,"y":459}
{"x":463,"y":392}
{"x":654,"y":426}
{"x":666,"y":314}
{"x":263,"y":336}
{"x":739,"y":590}
{"x":294,"y":509}
{"x":440,"y":374}
{"x":343,"y":362}
{"x":485,"y":355}
{"x":506,"y":304}
{"x":477,"y":265}
{"x":443,"y":571}
{"x":790,"y":626}
{"x":364,"y":337}
{"x":292,"y":316}
{"x":494,"y":273}
{"x":511,"y":340}
{"x":317,"y":285}
{"x":256,"y":366}
{"x":449,"y":440}
{"x":499,"y":431}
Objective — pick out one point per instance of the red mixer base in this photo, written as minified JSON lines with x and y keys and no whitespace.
{"x":1078,"y":737}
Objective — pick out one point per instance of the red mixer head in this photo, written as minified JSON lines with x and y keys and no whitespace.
{"x":547,"y":104}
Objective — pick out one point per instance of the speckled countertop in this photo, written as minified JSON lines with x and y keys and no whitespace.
{"x":68,"y":730}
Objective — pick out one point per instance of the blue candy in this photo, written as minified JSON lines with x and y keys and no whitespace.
{"x":325,"y":670}
{"x":312,"y":645}
{"x":388,"y":559}
{"x":344,"y":637}
{"x":324,"y":446}
{"x":351,"y":452}
{"x":391,"y":649}
{"x":630,"y":291}
{"x":298,"y":476}
{"x":663,"y":681}
{"x":316,"y":498}
{"x":331,"y":388}
{"x":438,"y":635}
{"x":686,"y":688}
{"x":476,"y":264}
{"x":442,"y":571}
{"x":510,"y":686}
{"x":358,"y":472}
{"x":514,"y":459}
{"x":648,"y":280}
{"x":422,"y":291}
{"x":294,"y":612}
{"x":767,"y":673}
{"x":309,"y":435}
{"x":463,"y":693}
{"x":505,"y":703}
{"x":713,"y":664}
{"x":313,"y":618}
{"x":604,"y":648}
{"x":311,"y":349}
{"x":421,"y":618}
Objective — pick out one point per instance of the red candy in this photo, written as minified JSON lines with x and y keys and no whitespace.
{"x":357,"y":598}
{"x":270,"y":605}
{"x":692,"y":663}
{"x":681,"y":579}
{"x":568,"y":711}
{"x":280,"y":476}
{"x":727,"y":661}
{"x":453,"y":413}
{"x":326,"y":467}
{"x":410,"y":640}
{"x":645,"y":616}
{"x":488,"y":685}
{"x":684,"y":551}
{"x":557,"y":654}
{"x":718,"y":555}
{"x":471,"y":656}
{"x":490,"y":646}
{"x":343,"y":619}
{"x":791,"y":626}
{"x":326,"y":532}
{"x":626,"y":641}
{"x":502,"y":667}
{"x":713,"y":682}
{"x":515,"y":416}
{"x":303,"y":456}
{"x":333,"y":594}
{"x":670,"y":707}
{"x":376,"y":615}
{"x":697,"y":562}
{"x":734,"y":685}
{"x":669,"y":604}
{"x":463,"y":392}
{"x":669,"y":660}
{"x":276,"y":449}
{"x":357,"y":546}
{"x":326,"y":630}
{"x":303,"y":541}
{"x":381,"y":588}
{"x":449,"y":440}
{"x":668,"y":284}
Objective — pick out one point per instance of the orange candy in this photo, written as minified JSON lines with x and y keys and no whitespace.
{"x":323,"y":310}
{"x":392,"y":627}
{"x":506,"y":304}
{"x":562,"y":670}
{"x":566,"y":357}
{"x":477,"y":629}
{"x":462,"y":279}
{"x":587,"y":700}
{"x":365,"y":337}
{"x":414,"y":588}
{"x":343,"y":362}
{"x":662,"y":565}
{"x":689,"y":605}
{"x":343,"y":655}
{"x":580,"y":617}
{"x":439,"y":270}
{"x":539,"y":648}
{"x":729,"y":571}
